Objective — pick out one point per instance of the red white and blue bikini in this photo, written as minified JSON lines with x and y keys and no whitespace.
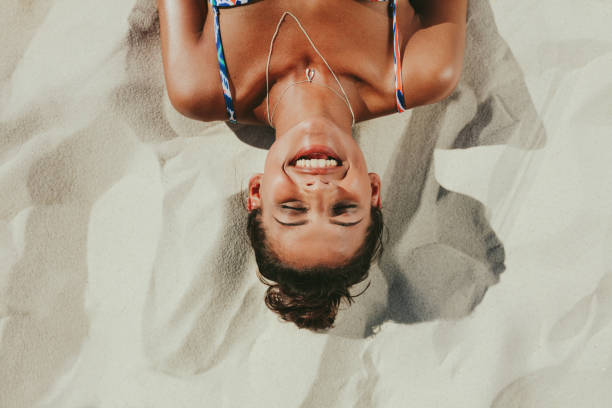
{"x":227,"y":93}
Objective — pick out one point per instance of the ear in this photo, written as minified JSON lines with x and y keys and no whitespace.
{"x":254,"y":189}
{"x":375,"y":184}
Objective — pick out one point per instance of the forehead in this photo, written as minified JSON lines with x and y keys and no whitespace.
{"x":314,"y":244}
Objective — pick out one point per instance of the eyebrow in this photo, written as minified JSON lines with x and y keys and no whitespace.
{"x":295,"y":224}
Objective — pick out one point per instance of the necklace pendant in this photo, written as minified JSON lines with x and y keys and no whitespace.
{"x":309,"y":74}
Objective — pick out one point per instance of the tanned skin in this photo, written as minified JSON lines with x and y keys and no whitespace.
{"x":354,"y":37}
{"x":303,"y":211}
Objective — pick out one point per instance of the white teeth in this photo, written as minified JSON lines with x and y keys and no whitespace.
{"x":316,"y":163}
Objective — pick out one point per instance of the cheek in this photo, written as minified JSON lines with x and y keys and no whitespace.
{"x":275,"y":157}
{"x":276,"y":187}
{"x":359,"y":185}
{"x":278,"y":152}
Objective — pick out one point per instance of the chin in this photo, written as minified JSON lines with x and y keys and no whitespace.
{"x":316,"y":125}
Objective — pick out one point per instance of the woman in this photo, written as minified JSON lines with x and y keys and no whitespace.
{"x":311,"y":70}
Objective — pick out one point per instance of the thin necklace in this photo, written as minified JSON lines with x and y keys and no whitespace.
{"x":309,"y":76}
{"x":309,"y":72}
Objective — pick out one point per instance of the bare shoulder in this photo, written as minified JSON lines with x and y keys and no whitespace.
{"x":432,"y":58}
{"x":194,"y":87}
{"x":190,"y":59}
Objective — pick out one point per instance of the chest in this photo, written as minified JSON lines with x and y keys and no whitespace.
{"x":355,"y":37}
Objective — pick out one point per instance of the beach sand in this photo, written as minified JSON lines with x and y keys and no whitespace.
{"x":126,"y":279}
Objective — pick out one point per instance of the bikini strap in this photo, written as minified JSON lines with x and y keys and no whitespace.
{"x":397,"y":63}
{"x":227,"y":93}
{"x":397,"y":59}
{"x":228,"y":3}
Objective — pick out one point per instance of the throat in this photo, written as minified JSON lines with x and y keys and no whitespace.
{"x":309,"y":77}
{"x":306,"y":101}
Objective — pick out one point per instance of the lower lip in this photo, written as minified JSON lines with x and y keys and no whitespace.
{"x":317,"y":151}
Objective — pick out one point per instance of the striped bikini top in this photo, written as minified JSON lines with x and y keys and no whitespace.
{"x":227,"y":93}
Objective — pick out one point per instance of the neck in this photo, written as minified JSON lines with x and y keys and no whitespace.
{"x":307,"y":101}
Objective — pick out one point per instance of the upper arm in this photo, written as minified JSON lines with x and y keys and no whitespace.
{"x":189,"y":60}
{"x":433,"y":56}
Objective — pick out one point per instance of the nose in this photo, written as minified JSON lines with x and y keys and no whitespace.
{"x":317,"y":183}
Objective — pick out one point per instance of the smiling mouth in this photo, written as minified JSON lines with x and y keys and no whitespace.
{"x":316,"y":163}
{"x":316,"y":157}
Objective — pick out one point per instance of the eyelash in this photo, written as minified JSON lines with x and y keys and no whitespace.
{"x":288,"y":207}
{"x":341,"y":208}
{"x":337,"y":209}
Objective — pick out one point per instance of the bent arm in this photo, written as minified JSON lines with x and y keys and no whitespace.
{"x":186,"y":56}
{"x":433,"y":56}
{"x":181,"y":21}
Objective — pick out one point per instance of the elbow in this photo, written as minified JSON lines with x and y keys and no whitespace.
{"x":444,"y":81}
{"x":183,"y":99}
{"x":434,"y":83}
{"x":194,"y":101}
{"x":449,"y":78}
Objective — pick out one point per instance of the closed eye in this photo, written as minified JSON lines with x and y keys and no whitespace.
{"x":339,"y":209}
{"x":347,"y":224}
{"x":293,"y":208}
{"x":304,"y":222}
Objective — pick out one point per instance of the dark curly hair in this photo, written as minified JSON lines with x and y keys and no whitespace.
{"x":310,"y":297}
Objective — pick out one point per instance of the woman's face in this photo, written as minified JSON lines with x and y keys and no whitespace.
{"x":315,"y":195}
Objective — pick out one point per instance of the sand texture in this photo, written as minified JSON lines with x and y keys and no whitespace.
{"x":126,"y":279}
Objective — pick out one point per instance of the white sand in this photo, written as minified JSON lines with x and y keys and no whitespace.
{"x":126,"y":281}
